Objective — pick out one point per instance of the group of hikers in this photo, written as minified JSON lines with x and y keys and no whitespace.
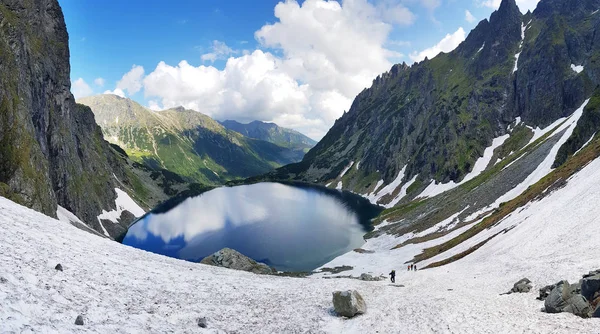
{"x":393,"y":273}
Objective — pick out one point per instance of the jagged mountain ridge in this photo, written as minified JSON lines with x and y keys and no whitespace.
{"x":272,"y":133}
{"x":186,"y":142}
{"x":435,"y":118}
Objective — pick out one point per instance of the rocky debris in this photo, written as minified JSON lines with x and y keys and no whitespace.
{"x":337,"y":270}
{"x":522,"y":286}
{"x":581,"y":298}
{"x":59,"y":267}
{"x":202,"y":322}
{"x":232,"y":259}
{"x":348,"y":303}
{"x":367,"y":277}
{"x":545,"y":291}
{"x":3,"y":280}
{"x":79,"y":320}
{"x":363,"y":251}
{"x":565,"y":298}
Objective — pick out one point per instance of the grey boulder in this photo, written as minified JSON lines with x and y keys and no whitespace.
{"x":233,"y":259}
{"x":590,"y":285}
{"x":202,"y":322}
{"x":367,"y":277}
{"x":348,"y":303}
{"x":79,"y":320}
{"x":563,"y":298}
{"x":522,"y":286}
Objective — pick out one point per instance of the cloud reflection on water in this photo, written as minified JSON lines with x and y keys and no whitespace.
{"x":284,"y":224}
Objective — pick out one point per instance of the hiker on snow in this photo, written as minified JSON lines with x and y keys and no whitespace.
{"x":415,"y":267}
{"x":393,"y":276}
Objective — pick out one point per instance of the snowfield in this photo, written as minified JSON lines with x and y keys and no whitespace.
{"x":119,"y":289}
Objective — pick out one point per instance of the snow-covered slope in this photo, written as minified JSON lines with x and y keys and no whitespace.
{"x":122,"y":289}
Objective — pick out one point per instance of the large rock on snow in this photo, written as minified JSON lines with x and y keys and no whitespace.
{"x":232,"y":259}
{"x":348,"y":303}
{"x":367,"y":277}
{"x":522,"y":286}
{"x":564,"y":298}
{"x":589,"y":286}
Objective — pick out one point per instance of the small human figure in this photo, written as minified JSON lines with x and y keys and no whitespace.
{"x":393,"y":276}
{"x":415,"y":267}
{"x":409,"y":267}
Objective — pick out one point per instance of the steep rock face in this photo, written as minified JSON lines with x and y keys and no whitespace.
{"x":184,"y":141}
{"x":52,"y":152}
{"x":435,"y":118}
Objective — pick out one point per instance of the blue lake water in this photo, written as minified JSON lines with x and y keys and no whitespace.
{"x":289,"y":227}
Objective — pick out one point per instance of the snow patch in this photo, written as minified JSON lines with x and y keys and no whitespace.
{"x":437,"y":188}
{"x":123,"y":202}
{"x":577,"y":69}
{"x":67,"y":216}
{"x":357,"y":165}
{"x":375,"y":197}
{"x":516,"y":68}
{"x":481,"y":48}
{"x":523,"y":27}
{"x":402,"y":192}
{"x":539,"y":133}
{"x":346,"y":169}
{"x":546,"y":166}
{"x":339,"y":186}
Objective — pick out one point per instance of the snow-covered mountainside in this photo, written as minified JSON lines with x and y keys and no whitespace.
{"x":120,"y":289}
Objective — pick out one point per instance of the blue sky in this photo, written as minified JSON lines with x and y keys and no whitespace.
{"x":299,"y":64}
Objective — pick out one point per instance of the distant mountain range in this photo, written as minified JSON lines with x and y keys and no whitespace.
{"x":272,"y":133}
{"x":192,"y":144}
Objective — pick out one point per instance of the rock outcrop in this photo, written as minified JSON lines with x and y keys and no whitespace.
{"x":348,"y":303}
{"x":232,"y":259}
{"x":581,"y":299}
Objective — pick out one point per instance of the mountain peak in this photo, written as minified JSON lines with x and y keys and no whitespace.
{"x":506,"y":13}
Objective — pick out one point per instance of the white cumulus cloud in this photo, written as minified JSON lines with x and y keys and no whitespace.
{"x":469,"y":17}
{"x":117,"y":91}
{"x":447,"y":44}
{"x":99,"y":82}
{"x":219,"y":50}
{"x":80,"y":88}
{"x":132,"y":80}
{"x":324,"y":54}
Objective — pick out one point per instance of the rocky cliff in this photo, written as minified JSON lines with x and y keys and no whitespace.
{"x":52,"y":152}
